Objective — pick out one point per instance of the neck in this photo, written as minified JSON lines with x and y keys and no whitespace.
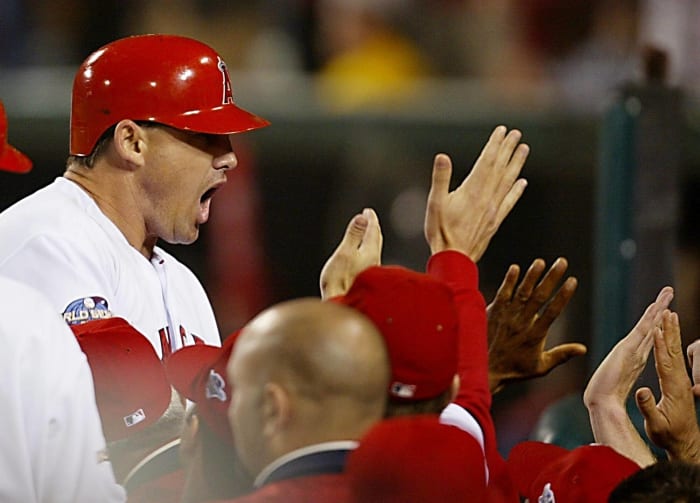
{"x":112,"y":192}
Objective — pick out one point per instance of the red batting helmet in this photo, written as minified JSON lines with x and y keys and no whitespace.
{"x":168,"y":79}
{"x":11,"y":159}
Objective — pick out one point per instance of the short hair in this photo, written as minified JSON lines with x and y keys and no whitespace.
{"x":663,"y":482}
{"x":433,"y":405}
{"x":88,"y":161}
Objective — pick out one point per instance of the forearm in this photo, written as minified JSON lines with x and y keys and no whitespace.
{"x":461,"y":274}
{"x":612,"y":426}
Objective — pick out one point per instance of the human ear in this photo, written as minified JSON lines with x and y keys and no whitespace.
{"x":130,"y":142}
{"x":276,"y":408}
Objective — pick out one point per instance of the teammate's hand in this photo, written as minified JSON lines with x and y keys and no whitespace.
{"x":517,"y":331}
{"x":360,"y":248}
{"x":467,"y":218}
{"x":612,"y":381}
{"x":693,"y":352}
{"x":671,"y":424}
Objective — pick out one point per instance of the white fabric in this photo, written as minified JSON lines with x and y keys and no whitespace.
{"x":58,"y":241}
{"x":51,"y":438}
{"x":454,"y":415}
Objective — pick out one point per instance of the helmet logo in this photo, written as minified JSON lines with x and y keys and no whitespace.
{"x":227,"y":90}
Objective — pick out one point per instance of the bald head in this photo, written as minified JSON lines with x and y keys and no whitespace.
{"x":305,"y":372}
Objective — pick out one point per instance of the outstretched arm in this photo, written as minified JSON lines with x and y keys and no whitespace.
{"x":517,"y":331}
{"x":607,"y":391}
{"x":459,"y":225}
{"x":671,"y":424}
{"x":360,"y":248}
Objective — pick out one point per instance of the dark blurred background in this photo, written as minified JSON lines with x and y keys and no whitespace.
{"x":362,"y":94}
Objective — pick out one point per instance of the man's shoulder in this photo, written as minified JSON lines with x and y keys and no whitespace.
{"x":56,"y":205}
{"x":56,"y":214}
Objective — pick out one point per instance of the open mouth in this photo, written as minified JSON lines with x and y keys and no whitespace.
{"x":207,"y":195}
{"x":205,"y":205}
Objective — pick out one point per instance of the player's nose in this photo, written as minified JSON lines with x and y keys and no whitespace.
{"x":225,"y":161}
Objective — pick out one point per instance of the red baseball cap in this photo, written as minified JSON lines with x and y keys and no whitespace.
{"x":586,"y":474}
{"x":131,"y":388}
{"x":417,"y":459}
{"x":11,"y":159}
{"x":417,"y":317}
{"x":198,"y":372}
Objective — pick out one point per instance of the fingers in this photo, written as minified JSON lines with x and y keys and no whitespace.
{"x":558,"y":303}
{"x":510,"y":200}
{"x":668,"y":352}
{"x":562,"y":354}
{"x":372,"y":239}
{"x":439,"y":190}
{"x":653,"y":313}
{"x":693,"y":352}
{"x":488,"y":153}
{"x":440,"y":184}
{"x":646,"y":403}
{"x":354,"y":232}
{"x":527,"y":285}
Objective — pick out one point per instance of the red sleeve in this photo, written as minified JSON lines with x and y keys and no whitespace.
{"x":461,"y":274}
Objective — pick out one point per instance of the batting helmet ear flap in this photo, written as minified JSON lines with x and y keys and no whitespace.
{"x":168,"y":79}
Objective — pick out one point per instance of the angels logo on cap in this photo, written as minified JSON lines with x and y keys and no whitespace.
{"x":227,"y":88}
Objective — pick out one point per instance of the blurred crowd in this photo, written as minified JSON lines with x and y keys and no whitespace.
{"x":367,"y":52}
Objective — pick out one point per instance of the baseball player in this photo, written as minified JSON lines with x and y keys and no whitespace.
{"x":51,"y":442}
{"x":151,"y":119}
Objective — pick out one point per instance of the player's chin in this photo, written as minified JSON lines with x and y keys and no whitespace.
{"x":183,"y":238}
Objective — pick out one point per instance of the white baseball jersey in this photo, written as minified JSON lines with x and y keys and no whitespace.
{"x":51,"y":443}
{"x":58,"y":241}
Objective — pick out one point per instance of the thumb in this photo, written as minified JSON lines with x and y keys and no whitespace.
{"x":646,"y":403}
{"x":563,"y":353}
{"x":355,"y":231}
{"x":442,"y":173}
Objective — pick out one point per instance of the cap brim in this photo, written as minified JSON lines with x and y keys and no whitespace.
{"x":224,"y":119}
{"x":14,"y":161}
{"x":527,"y":459}
{"x":185,"y":365}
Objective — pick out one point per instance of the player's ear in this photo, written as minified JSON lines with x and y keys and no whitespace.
{"x":130,"y":142}
{"x":276,"y":409}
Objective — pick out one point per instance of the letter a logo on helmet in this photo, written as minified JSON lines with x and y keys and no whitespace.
{"x":172,"y":80}
{"x":227,"y":96}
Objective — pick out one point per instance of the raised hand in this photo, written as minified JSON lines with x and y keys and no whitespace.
{"x":672,"y":423}
{"x":467,"y":218}
{"x":360,"y":248}
{"x":519,"y":321}
{"x":614,"y":378}
{"x":693,"y":352}
{"x":607,"y":391}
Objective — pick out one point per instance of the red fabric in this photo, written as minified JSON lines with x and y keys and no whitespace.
{"x":417,"y":318}
{"x":199,"y":373}
{"x":131,"y":388}
{"x":416,"y":458}
{"x":317,"y":488}
{"x":461,"y":274}
{"x":166,"y":489}
{"x":586,"y":473}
